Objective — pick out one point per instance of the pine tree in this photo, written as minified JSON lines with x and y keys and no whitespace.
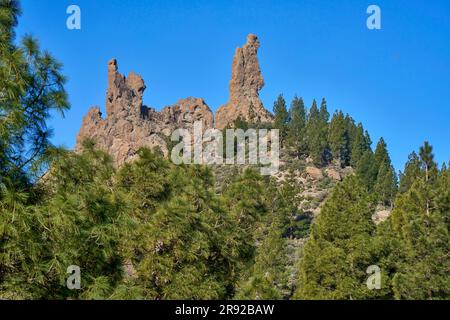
{"x":386,"y":179}
{"x":416,"y":240}
{"x":246,"y":202}
{"x":323,"y":125}
{"x":13,"y":66}
{"x":281,"y":117}
{"x":335,"y":259}
{"x":427,"y":158}
{"x":411,"y":172}
{"x":338,"y":138}
{"x":381,"y":154}
{"x":386,"y":184}
{"x":32,"y":87}
{"x":267,"y":278}
{"x":359,"y":146}
{"x":179,"y":231}
{"x":366,"y":170}
{"x":351,"y":131}
{"x":75,"y":223}
{"x":297,"y":126}
{"x":324,"y":114}
{"x":316,"y":134}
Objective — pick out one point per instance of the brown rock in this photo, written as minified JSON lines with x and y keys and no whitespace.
{"x":333,"y":174}
{"x":381,"y":216}
{"x":129,"y":125}
{"x":314,"y":173}
{"x":187,"y":111}
{"x":246,"y":82}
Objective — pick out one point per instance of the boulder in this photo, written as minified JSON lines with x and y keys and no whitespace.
{"x":314,"y":173}
{"x":333,"y":174}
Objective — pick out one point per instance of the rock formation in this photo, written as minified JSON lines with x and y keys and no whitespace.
{"x":246,"y":82}
{"x":130,"y":125}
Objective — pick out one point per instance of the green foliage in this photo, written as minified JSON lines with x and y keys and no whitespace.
{"x":246,"y":201}
{"x":31,"y":87}
{"x":267,"y":277}
{"x":316,"y":134}
{"x":179,"y":231}
{"x":338,"y":137}
{"x":378,"y":174}
{"x":386,"y":182}
{"x":75,"y":223}
{"x":416,"y":240}
{"x":297,"y":126}
{"x":281,"y":117}
{"x":366,"y":170}
{"x":411,"y":173}
{"x":359,"y":146}
{"x":335,"y":259}
{"x":427,"y":158}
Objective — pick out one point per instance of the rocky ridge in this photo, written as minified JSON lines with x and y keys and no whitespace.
{"x":130,"y":125}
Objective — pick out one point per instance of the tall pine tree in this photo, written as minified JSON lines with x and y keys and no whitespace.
{"x":316,"y":133}
{"x":386,"y":179}
{"x":297,"y":126}
{"x":416,"y":239}
{"x":338,"y":138}
{"x":336,"y":257}
{"x":281,"y":117}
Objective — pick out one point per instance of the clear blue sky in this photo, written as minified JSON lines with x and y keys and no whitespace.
{"x":396,"y":81}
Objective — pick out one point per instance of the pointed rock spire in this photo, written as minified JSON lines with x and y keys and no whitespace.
{"x":246,"y":82}
{"x":124,"y":95}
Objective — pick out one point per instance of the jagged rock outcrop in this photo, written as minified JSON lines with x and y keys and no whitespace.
{"x":246,"y":82}
{"x":129,"y":125}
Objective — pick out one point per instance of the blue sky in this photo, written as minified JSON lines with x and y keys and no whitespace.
{"x":396,"y":81}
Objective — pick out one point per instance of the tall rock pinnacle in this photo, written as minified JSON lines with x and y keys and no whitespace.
{"x":124,"y":95}
{"x":246,"y":82}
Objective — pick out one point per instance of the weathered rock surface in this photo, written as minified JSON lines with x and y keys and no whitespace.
{"x":246,"y":82}
{"x":129,"y":125}
{"x":333,"y":174}
{"x":381,"y":215}
{"x":314,"y":173}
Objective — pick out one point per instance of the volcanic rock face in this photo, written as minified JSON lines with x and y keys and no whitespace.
{"x":246,"y":82}
{"x":129,"y":125}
